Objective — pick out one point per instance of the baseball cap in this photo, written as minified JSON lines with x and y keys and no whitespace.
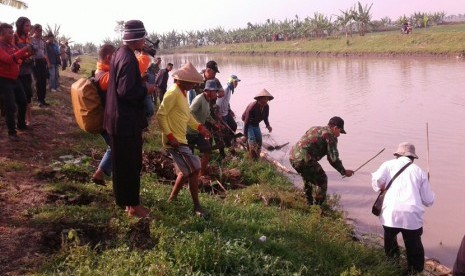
{"x":337,"y":121}
{"x":213,"y":65}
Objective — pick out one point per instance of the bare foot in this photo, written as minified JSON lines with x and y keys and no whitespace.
{"x":97,"y":178}
{"x":200,"y":212}
{"x":138,"y":211}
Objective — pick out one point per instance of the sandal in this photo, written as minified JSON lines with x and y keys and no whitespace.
{"x":97,"y":181}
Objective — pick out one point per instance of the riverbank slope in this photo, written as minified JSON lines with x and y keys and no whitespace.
{"x":444,"y":40}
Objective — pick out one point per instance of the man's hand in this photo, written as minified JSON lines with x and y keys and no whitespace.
{"x":172,"y":141}
{"x":270,"y":129}
{"x":349,"y":173}
{"x":204,"y":132}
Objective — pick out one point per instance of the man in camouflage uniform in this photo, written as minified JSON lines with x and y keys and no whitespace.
{"x":304,"y":156}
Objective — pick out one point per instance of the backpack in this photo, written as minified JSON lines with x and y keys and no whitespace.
{"x":87,"y":105}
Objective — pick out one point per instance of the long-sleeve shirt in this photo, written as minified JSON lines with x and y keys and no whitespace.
{"x":404,"y":202}
{"x":223,"y":103}
{"x":174,"y":116}
{"x":10,"y":57}
{"x":314,"y":145}
{"x":254,"y":114}
{"x":162,"y":79}
{"x":124,"y":107}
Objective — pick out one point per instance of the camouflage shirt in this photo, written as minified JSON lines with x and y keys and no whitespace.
{"x":316,"y":143}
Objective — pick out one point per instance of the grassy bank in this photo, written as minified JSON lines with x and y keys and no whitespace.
{"x":436,"y":40}
{"x":85,"y":234}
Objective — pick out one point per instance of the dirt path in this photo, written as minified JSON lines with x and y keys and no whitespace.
{"x":22,"y":245}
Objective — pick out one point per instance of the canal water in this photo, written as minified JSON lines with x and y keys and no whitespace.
{"x":384,"y":101}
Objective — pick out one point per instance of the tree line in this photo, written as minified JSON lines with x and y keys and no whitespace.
{"x":355,"y":20}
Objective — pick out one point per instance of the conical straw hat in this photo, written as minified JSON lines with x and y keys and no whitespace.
{"x":188,"y":73}
{"x":264,"y":93}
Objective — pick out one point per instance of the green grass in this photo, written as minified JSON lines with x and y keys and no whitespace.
{"x":94,"y":237}
{"x":436,"y":40}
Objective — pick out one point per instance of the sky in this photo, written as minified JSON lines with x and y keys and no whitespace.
{"x":95,"y":20}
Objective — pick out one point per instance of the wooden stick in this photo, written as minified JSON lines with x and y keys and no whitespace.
{"x":427,"y":149}
{"x":367,"y":161}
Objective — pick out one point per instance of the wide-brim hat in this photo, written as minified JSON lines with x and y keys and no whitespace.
{"x":211,"y":85}
{"x":406,"y":149}
{"x":188,"y":73}
{"x":133,"y":30}
{"x":263,"y":93}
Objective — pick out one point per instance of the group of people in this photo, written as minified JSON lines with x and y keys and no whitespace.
{"x":195,"y":113}
{"x":127,"y":89}
{"x":26,"y":57}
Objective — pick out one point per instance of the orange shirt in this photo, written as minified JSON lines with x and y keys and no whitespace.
{"x":103,"y":81}
{"x":144,"y":63}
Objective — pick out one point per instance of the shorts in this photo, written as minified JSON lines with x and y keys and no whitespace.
{"x":184,"y":160}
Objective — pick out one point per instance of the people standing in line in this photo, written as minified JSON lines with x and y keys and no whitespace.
{"x":256,"y":112}
{"x":161,"y":81}
{"x":11,"y":92}
{"x":102,"y":75}
{"x":225,"y":112}
{"x":200,"y":109}
{"x":403,"y":206}
{"x":53,"y":58}
{"x":459,"y":265}
{"x":40,"y":69}
{"x":174,"y":116}
{"x":21,"y":40}
{"x":63,"y":55}
{"x":124,"y":118}
{"x":317,"y":142}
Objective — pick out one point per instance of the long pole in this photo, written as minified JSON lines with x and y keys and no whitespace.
{"x":427,"y":149}
{"x":367,"y":161}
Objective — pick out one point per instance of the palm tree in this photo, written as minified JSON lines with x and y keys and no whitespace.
{"x":14,"y":4}
{"x":345,"y":21}
{"x":363,"y":18}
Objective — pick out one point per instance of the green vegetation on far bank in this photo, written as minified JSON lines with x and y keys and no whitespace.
{"x":436,"y":40}
{"x":89,"y":235}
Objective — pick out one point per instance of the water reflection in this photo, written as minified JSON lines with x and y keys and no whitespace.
{"x":384,"y":101}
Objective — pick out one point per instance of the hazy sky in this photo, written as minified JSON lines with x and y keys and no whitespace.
{"x":86,"y":20}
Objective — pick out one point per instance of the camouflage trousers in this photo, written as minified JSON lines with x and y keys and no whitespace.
{"x":314,"y":177}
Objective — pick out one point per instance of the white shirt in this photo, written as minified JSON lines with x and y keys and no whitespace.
{"x":404,"y":202}
{"x":223,"y":103}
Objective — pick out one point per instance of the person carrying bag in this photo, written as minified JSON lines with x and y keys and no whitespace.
{"x":403,"y":207}
{"x":378,"y":205}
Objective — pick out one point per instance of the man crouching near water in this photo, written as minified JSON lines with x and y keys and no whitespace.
{"x":174,"y":116}
{"x":403,"y":210}
{"x":304,"y":156}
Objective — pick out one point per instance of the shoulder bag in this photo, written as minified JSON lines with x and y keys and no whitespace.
{"x":378,"y":205}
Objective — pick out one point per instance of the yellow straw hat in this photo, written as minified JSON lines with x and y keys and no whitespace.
{"x":188,"y":73}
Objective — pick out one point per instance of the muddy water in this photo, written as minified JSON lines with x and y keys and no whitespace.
{"x":384,"y":101}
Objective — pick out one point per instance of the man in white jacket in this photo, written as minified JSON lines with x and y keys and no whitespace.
{"x":403,"y":205}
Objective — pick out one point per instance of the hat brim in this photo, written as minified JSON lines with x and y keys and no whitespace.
{"x":408,"y":154}
{"x":343,"y":131}
{"x":187,"y":80}
{"x":269,"y":97}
